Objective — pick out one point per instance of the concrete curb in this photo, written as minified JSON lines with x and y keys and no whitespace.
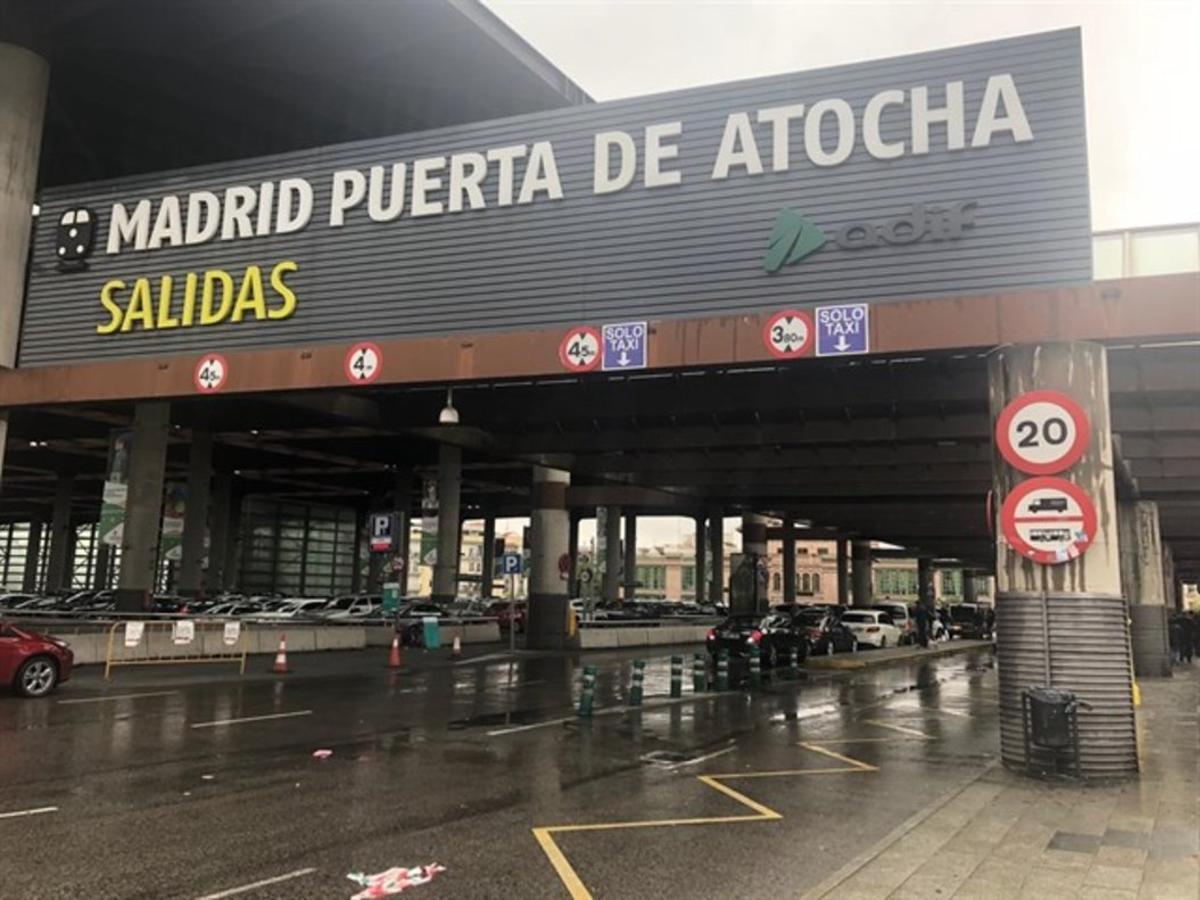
{"x":873,"y":658}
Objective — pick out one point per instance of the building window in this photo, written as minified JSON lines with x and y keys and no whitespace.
{"x":816,"y":583}
{"x":805,"y":583}
{"x":652,"y":578}
{"x":688,"y":578}
{"x":952,"y":584}
{"x":775,"y":581}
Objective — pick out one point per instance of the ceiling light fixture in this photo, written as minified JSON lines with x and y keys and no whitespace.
{"x":448,"y":415}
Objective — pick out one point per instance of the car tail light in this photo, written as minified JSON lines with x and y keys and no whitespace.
{"x":872,"y":628}
{"x":814,"y":632}
{"x":755,"y":636}
{"x":712,"y":634}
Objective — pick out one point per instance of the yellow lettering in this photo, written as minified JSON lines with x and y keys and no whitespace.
{"x":288,"y":295}
{"x":250,"y":297}
{"x":141,"y":306}
{"x":114,"y":310}
{"x":208,"y":315}
{"x":165,"y":319}
{"x":189,"y":299}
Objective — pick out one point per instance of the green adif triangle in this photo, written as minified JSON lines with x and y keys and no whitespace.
{"x":794,"y":238}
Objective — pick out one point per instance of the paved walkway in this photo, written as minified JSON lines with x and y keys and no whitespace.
{"x":1002,"y":835}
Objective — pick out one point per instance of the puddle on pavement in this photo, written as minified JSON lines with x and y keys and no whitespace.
{"x":501,"y":719}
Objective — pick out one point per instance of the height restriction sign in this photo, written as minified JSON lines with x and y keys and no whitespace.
{"x":363,"y":363}
{"x":789,"y":334}
{"x":579,"y":350}
{"x":1042,"y":432}
{"x":1048,"y":520}
{"x":211,"y":373}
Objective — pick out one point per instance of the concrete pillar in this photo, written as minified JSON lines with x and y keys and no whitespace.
{"x":630,"y":566}
{"x":103,"y":560}
{"x":750,"y":595}
{"x":789,"y":560}
{"x":860,"y":563}
{"x":969,"y":594}
{"x":33,"y":553}
{"x":488,"y":570}
{"x":925,"y":588}
{"x":612,"y":554}
{"x":701,"y":564}
{"x":219,"y":536}
{"x":231,"y":575}
{"x":549,"y":529}
{"x":143,"y":505}
{"x":61,"y":545}
{"x":573,"y":553}
{"x":1174,"y":597}
{"x":402,"y":497}
{"x":449,"y":486}
{"x":716,"y":548}
{"x":1144,"y":587}
{"x":195,"y":513}
{"x":843,"y":574}
{"x":1064,"y":624}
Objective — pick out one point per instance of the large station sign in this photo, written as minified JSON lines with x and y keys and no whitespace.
{"x":950,"y":172}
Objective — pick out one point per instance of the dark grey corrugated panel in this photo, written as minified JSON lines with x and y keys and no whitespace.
{"x":1077,"y":643}
{"x":691,"y":250}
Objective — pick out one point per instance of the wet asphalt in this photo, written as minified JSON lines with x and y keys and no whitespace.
{"x":159,"y":794}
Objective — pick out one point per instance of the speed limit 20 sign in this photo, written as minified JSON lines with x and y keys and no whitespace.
{"x":364,"y":363}
{"x":1042,"y":432}
{"x":579,"y":350}
{"x":789,"y":334}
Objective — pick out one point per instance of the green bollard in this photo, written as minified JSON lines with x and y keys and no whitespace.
{"x":676,"y":676}
{"x":723,"y":670}
{"x":794,"y":663}
{"x":699,"y":674}
{"x":755,"y":671}
{"x":639,"y":675}
{"x":588,"y":695}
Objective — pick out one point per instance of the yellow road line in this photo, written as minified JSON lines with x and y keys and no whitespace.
{"x":565,"y":873}
{"x":855,"y":763}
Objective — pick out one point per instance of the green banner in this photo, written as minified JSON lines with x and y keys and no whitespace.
{"x":174,"y":506}
{"x":112,"y":505}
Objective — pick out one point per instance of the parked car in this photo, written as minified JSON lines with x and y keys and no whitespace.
{"x":296,"y":608}
{"x":772,"y":637}
{"x":500,"y":610}
{"x":827,"y":634}
{"x":901,"y":618}
{"x":34,"y":664}
{"x":234,"y":608}
{"x":14,"y":601}
{"x":872,"y":627}
{"x":348,"y":606}
{"x":970,"y":620}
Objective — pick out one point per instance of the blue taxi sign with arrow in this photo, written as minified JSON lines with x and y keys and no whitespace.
{"x":843,"y":330}
{"x":624,"y":346}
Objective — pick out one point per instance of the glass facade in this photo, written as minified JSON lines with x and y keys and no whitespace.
{"x":304,"y":550}
{"x":1146,"y":251}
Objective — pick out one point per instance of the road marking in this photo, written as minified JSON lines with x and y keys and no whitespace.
{"x":613,"y":711}
{"x":515,"y":728}
{"x":29,"y":812}
{"x":118,"y":697}
{"x":258,"y":884}
{"x":899,"y":728}
{"x":286,"y":715}
{"x":705,"y":758}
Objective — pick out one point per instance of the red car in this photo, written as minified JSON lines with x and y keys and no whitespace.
{"x":499,"y":609}
{"x":32,"y":663}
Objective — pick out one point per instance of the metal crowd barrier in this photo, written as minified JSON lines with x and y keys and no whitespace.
{"x":150,"y":643}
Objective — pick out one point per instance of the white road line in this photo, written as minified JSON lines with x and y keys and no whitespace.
{"x":286,"y":715}
{"x":547,"y":723}
{"x":118,"y":697}
{"x":29,"y":812}
{"x":257,"y":884}
{"x":700,"y":759}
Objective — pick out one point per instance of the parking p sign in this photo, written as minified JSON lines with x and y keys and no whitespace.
{"x":510,"y":564}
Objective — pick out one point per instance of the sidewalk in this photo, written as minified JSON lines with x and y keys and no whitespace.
{"x":865,"y":659}
{"x":1002,"y":835}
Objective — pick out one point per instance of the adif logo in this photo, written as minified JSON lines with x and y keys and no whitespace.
{"x":74,"y":237}
{"x":793,"y":239}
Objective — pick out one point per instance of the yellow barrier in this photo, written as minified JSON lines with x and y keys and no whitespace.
{"x":175,"y":642}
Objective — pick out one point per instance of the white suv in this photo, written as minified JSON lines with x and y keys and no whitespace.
{"x":872,"y":627}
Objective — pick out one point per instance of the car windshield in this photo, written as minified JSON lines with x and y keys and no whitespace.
{"x":858,"y":617}
{"x":741,"y":622}
{"x":963,"y":613}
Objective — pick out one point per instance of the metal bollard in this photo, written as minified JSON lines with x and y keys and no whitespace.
{"x":588,"y":695}
{"x":755,"y":671}
{"x":676,"y":676}
{"x":794,"y":663}
{"x":723,"y":670}
{"x":699,"y":674}
{"x":639,"y":675}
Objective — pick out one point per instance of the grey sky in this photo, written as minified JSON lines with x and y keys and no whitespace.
{"x":1141,"y":67}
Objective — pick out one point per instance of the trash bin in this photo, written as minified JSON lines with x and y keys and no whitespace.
{"x":1050,"y":715}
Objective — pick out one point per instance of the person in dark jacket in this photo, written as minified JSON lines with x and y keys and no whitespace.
{"x":1175,"y":635}
{"x":1187,"y":639}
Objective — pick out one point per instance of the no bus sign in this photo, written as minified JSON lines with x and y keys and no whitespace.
{"x":1042,"y":432}
{"x":1048,"y":520}
{"x":364,"y":363}
{"x":211,"y":373}
{"x":579,"y":350}
{"x":789,"y":334}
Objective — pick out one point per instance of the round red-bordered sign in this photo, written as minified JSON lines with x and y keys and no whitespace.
{"x":1042,"y":432}
{"x":363,"y":363}
{"x":789,"y":334}
{"x":1048,"y":520}
{"x":211,"y":373}
{"x":579,"y":350}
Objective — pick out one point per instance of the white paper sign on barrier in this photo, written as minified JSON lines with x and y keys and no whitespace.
{"x":133,"y":633}
{"x":184,"y":632}
{"x":233,"y":631}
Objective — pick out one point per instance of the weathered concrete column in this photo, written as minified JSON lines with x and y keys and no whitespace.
{"x":449,"y":486}
{"x":549,"y":528}
{"x":701,"y":563}
{"x":860,"y":563}
{"x":970,"y":594}
{"x":843,"y":575}
{"x":488,"y":574}
{"x":1144,"y":588}
{"x":1064,"y":624}
{"x":716,"y":549}
{"x":612,"y":554}
{"x":143,"y":505}
{"x":33,"y":558}
{"x":925,"y":588}
{"x":573,"y":553}
{"x":1174,"y":597}
{"x":789,"y":560}
{"x":751,"y":593}
{"x":195,"y":512}
{"x":630,"y":567}
{"x":61,"y":544}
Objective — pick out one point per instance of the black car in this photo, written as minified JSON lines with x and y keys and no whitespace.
{"x":825,"y":631}
{"x":970,"y":621}
{"x":773,"y":637}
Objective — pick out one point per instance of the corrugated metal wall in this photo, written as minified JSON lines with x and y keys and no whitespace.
{"x":687,"y":250}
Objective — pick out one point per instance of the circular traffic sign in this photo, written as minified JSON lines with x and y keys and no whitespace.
{"x":1042,"y":432}
{"x":211,"y":373}
{"x":364,"y":363}
{"x":789,"y":334}
{"x":1048,"y":520}
{"x":580,"y":349}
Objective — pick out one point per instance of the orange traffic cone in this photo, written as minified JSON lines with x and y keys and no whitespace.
{"x":456,"y":650}
{"x":281,"y":667}
{"x":395,"y":660}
